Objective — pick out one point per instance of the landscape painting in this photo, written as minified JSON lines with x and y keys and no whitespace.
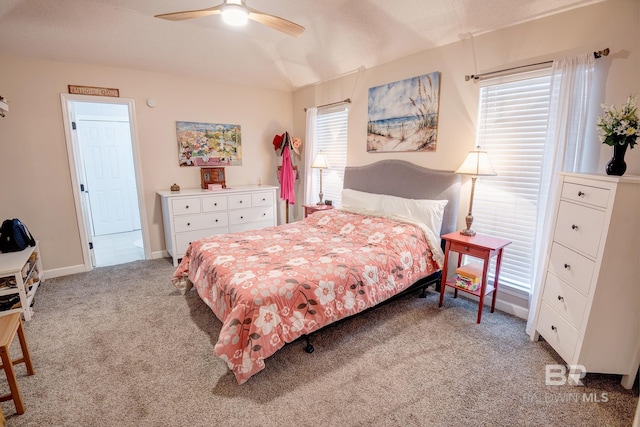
{"x":403,"y":116}
{"x":208,"y":144}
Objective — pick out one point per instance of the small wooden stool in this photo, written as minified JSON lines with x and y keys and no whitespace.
{"x":9,"y":325}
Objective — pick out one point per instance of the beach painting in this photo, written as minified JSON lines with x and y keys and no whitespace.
{"x":403,"y":115}
{"x":208,"y":144}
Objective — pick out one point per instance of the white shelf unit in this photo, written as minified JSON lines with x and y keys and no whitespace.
{"x":193,"y":214}
{"x":589,"y":305}
{"x":22,"y":267}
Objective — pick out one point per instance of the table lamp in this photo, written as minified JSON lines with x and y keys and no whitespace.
{"x":476,"y":164}
{"x":320,"y":162}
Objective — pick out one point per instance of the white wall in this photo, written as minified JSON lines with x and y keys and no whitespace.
{"x":35,"y":176}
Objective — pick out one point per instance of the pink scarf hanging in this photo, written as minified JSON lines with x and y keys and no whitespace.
{"x":288,"y":177}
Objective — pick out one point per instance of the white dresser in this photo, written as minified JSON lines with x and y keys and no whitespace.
{"x":589,"y":305}
{"x":189,"y":215}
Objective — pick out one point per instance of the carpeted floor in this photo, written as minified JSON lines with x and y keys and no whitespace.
{"x":120,"y":347}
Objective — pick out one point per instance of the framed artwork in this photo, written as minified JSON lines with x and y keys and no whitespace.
{"x":403,"y":115}
{"x":208,"y":144}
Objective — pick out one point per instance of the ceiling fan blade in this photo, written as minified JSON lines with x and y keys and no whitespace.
{"x":275,"y":22}
{"x":190,"y":14}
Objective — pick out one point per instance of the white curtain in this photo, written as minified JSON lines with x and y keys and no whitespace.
{"x":564,"y":151}
{"x":309,"y":152}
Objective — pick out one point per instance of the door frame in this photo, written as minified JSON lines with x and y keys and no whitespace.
{"x":74,"y":158}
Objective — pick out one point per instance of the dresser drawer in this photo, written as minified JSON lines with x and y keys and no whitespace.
{"x":199,"y":222}
{"x":239,"y":201}
{"x":565,"y":300}
{"x":557,"y":332}
{"x":262,"y":199}
{"x":183,"y":240}
{"x":586,"y":194}
{"x":185,"y":206}
{"x":571,"y":267}
{"x":579,"y":227}
{"x":243,"y":216}
{"x":213,"y":204}
{"x":467,"y":250}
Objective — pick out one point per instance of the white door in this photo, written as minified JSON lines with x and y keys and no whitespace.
{"x":108,"y":164}
{"x":112,"y":149}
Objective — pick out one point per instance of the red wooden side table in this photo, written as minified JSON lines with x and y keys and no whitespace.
{"x":478,"y":246}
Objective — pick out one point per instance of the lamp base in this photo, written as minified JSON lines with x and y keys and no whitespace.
{"x":468,"y":232}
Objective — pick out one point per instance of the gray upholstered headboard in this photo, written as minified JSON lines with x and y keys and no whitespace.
{"x":404,"y":179}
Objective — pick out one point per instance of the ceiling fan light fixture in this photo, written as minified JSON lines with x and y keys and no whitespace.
{"x":235,"y":15}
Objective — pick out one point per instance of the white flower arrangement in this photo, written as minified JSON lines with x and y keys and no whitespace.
{"x":620,"y":127}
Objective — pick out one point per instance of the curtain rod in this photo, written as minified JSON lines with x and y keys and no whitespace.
{"x":345,"y":101}
{"x":598,"y":54}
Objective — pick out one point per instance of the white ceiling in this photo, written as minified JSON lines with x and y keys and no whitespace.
{"x":341,"y":35}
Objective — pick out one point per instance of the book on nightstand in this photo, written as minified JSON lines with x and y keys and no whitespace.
{"x":469,"y":276}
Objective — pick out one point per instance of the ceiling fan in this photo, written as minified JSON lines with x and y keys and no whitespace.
{"x":236,"y":12}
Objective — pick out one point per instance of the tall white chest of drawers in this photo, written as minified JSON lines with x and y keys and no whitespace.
{"x":192,"y":214}
{"x":589,"y":305}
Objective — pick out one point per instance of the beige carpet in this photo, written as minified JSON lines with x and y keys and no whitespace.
{"x":120,"y":347}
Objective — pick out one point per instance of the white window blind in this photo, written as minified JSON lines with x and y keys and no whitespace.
{"x":512,"y":125}
{"x":331,"y":139}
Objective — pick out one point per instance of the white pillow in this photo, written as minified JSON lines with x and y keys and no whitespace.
{"x":360,"y":199}
{"x":429,"y":212}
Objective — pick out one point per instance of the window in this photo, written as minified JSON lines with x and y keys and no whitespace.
{"x":331,"y":139}
{"x":512,"y":125}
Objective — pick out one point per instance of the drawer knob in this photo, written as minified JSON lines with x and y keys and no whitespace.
{"x":574,"y":227}
{"x":240,"y":201}
{"x":241,"y":217}
{"x":264,"y":200}
{"x":466,"y":248}
{"x":215,"y":204}
{"x":264,"y":214}
{"x":553,"y":328}
{"x":188,"y":224}
{"x":560,"y":298}
{"x":580,"y":194}
{"x":567,"y":266}
{"x":187,"y":207}
{"x":216,"y":220}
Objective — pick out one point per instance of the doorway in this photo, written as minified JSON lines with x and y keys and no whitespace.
{"x":103,"y":153}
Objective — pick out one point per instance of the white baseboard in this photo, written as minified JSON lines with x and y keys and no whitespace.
{"x":516,"y":308}
{"x":159,"y":254}
{"x":513,"y":309}
{"x":64,"y":271}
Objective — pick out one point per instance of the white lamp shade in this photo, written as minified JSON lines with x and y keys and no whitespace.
{"x":477,"y":164}
{"x":234,"y":14}
{"x":320,"y":161}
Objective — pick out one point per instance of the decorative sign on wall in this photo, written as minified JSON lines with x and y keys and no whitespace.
{"x":403,"y":115}
{"x":208,"y":144}
{"x":95,"y":91}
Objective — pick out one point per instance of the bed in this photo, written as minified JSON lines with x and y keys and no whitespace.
{"x":272,"y":286}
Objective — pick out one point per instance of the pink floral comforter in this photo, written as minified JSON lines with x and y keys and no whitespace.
{"x":271,"y":286}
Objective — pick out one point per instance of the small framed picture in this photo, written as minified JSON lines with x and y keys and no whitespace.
{"x":212,"y":176}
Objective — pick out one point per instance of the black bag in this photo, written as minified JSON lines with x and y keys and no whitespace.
{"x":14,"y":236}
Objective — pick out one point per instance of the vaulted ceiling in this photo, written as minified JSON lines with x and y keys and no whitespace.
{"x":341,"y":36}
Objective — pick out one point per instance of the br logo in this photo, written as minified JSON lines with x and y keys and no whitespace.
{"x":558,"y":375}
